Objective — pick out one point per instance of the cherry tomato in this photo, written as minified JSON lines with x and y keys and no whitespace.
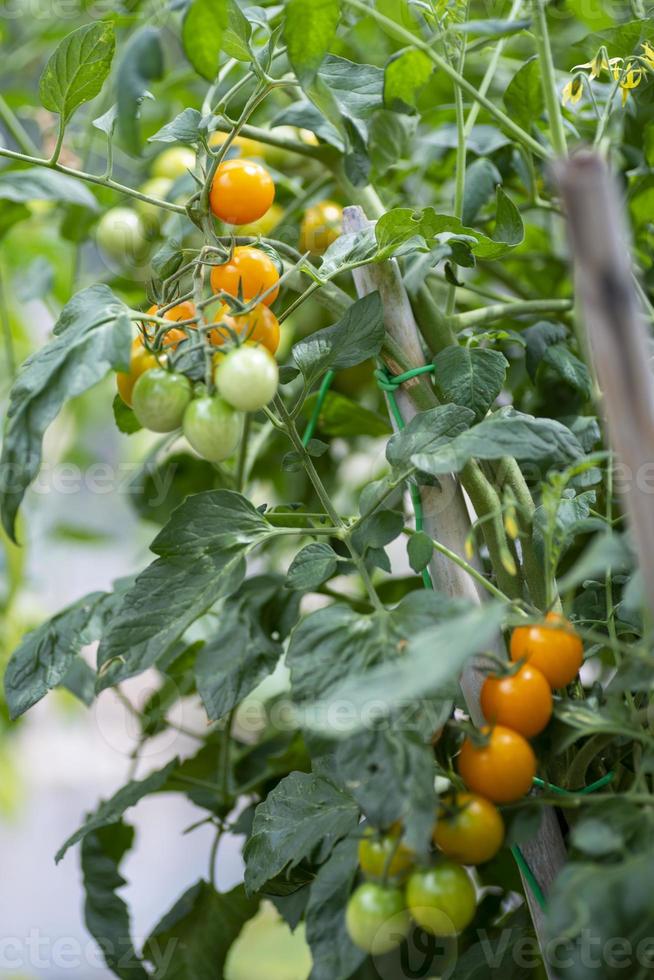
{"x":249,"y":272}
{"x":442,"y":899}
{"x":141,"y":360}
{"x":502,"y":770}
{"x":321,"y":226}
{"x":521,"y":701}
{"x":556,"y":651}
{"x":160,"y":399}
{"x":469,"y":829}
{"x":384,"y":855}
{"x":183,"y":311}
{"x":376,"y":918}
{"x":242,"y":145}
{"x":212,"y":427}
{"x":247,"y":377}
{"x":259,"y":326}
{"x":151,"y":215}
{"x":173,"y":163}
{"x":241,"y":192}
{"x":122,"y":235}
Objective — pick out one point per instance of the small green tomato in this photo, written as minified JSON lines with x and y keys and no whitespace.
{"x":160,"y":399}
{"x":247,"y":377}
{"x":212,"y":427}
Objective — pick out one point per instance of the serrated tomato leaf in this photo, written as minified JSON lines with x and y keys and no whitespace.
{"x":77,"y":70}
{"x":92,"y":335}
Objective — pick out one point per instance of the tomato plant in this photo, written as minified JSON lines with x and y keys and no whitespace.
{"x":379,"y":323}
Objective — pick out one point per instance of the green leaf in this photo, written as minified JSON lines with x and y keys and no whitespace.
{"x":40,"y":184}
{"x":199,"y":932}
{"x":482,"y":177}
{"x":354,"y":247}
{"x":390,"y":773}
{"x":470,"y":376}
{"x":337,"y":641}
{"x":504,"y":433}
{"x":78,"y":68}
{"x":405,"y":75}
{"x":408,"y":672}
{"x":423,"y":228}
{"x":509,"y":228}
{"x":141,"y":64}
{"x":596,"y":839}
{"x":309,"y":29}
{"x":202,"y":35}
{"x":303,"y":816}
{"x":389,"y":139}
{"x":342,"y":417}
{"x":105,"y":914}
{"x":237,"y":34}
{"x":621,"y":41}
{"x":420,"y":550}
{"x":356,"y":337}
{"x":113,"y":809}
{"x":184,"y":128}
{"x":125,"y":419}
{"x":606,"y":551}
{"x":106,"y":123}
{"x":523,"y":97}
{"x":335,"y":957}
{"x":539,"y":336}
{"x":45,"y":655}
{"x":202,"y":553}
{"x":162,"y":485}
{"x":243,"y":651}
{"x":427,"y":432}
{"x":92,"y":335}
{"x":312,"y":566}
{"x":569,"y":368}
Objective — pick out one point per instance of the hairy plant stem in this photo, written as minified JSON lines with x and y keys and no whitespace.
{"x":103,"y":181}
{"x":325,"y":500}
{"x":548,"y":74}
{"x":497,"y":311}
{"x":441,"y":63}
{"x":269,"y":137}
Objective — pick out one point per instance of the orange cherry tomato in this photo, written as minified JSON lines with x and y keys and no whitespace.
{"x":503,"y":769}
{"x":259,"y":326}
{"x":469,"y":829}
{"x":250,"y":272}
{"x":241,"y":192}
{"x":522,"y":701}
{"x":321,"y":226}
{"x":141,"y":360}
{"x":183,"y":311}
{"x":557,"y":651}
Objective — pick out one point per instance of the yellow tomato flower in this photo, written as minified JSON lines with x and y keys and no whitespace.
{"x":573,"y":91}
{"x":631,"y":79}
{"x":648,"y":55}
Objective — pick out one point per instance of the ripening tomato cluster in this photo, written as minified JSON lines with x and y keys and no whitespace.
{"x":469,"y":829}
{"x":245,"y":374}
{"x":517,"y":707}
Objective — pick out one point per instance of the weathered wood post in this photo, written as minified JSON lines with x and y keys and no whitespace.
{"x":616,"y":337}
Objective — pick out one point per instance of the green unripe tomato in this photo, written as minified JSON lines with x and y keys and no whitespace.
{"x":247,"y":377}
{"x":160,"y":399}
{"x":212,"y":427}
{"x":376,"y":918}
{"x":155,"y":187}
{"x":442,"y":899}
{"x":384,"y":855}
{"x":122,"y":235}
{"x":173,"y":163}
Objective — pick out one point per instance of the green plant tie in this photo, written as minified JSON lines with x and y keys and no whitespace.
{"x":389,"y":383}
